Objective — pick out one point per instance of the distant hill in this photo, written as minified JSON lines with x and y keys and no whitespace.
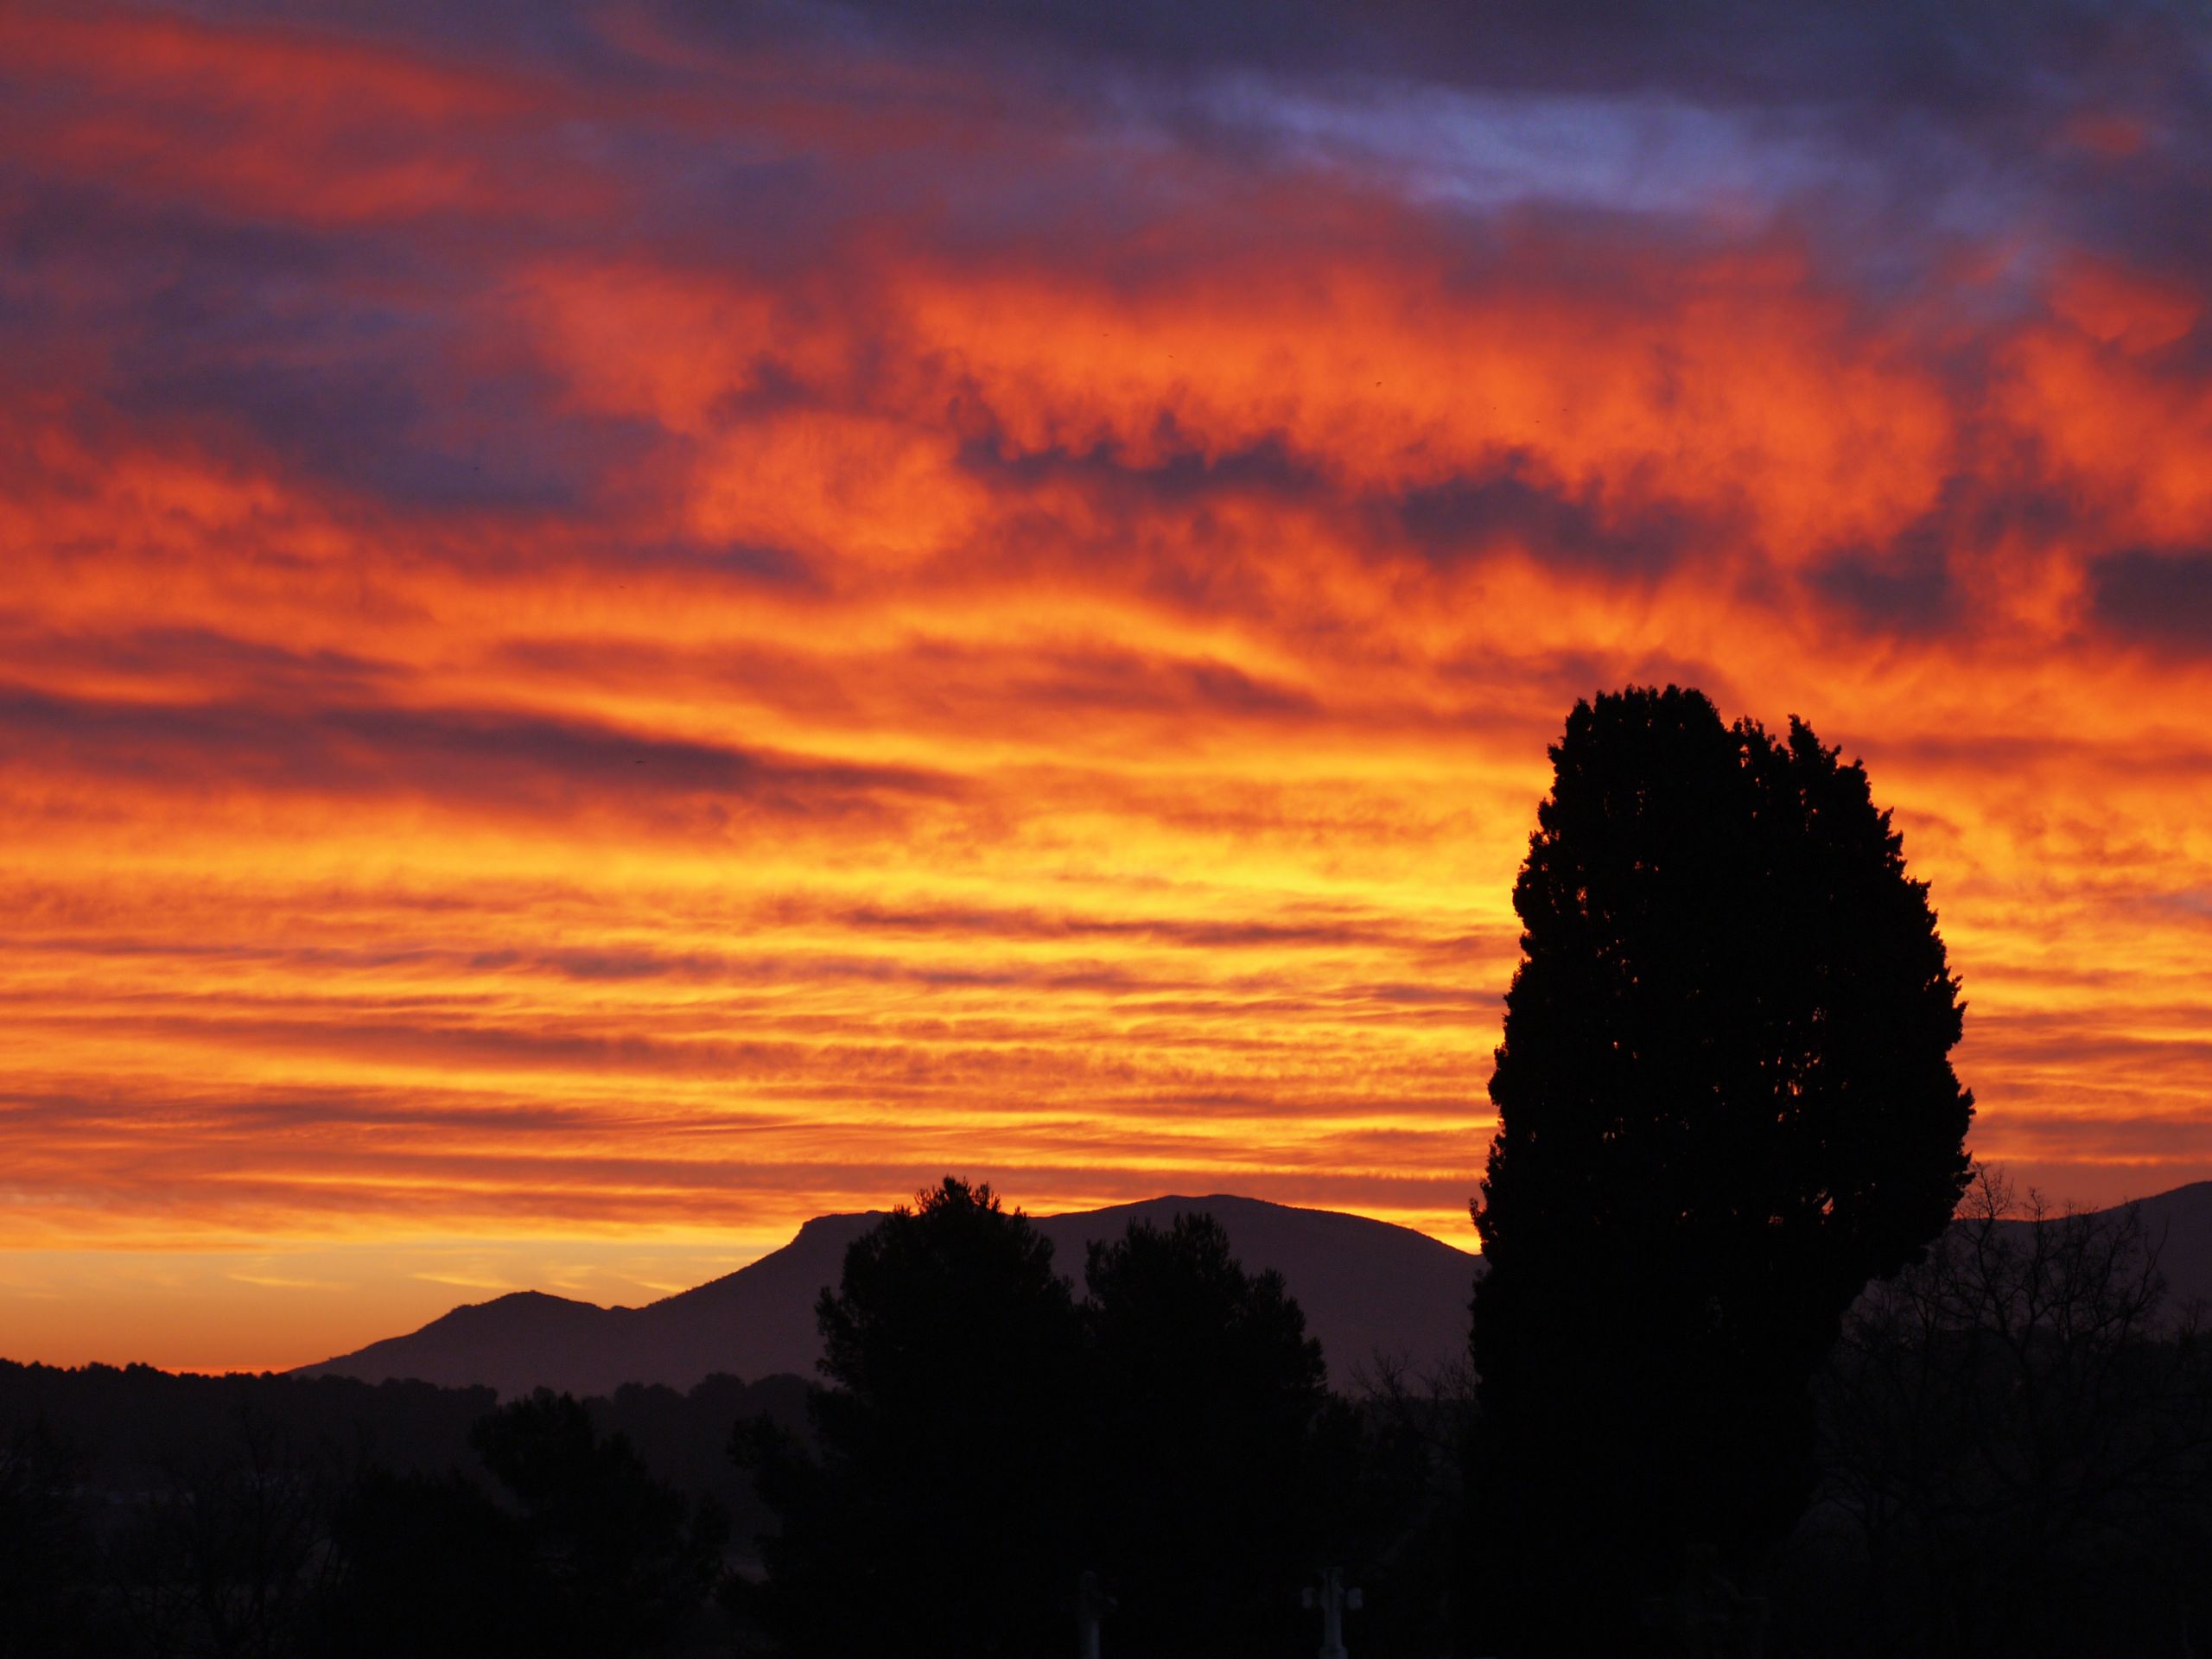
{"x":2180,"y":1224}
{"x":1366,"y":1286}
{"x":2183,"y":1219}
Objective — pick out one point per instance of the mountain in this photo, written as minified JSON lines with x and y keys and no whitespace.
{"x":2179,"y":1226}
{"x":2181,"y":1221}
{"x":1366,"y":1286}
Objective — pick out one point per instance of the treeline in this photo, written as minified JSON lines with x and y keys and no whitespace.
{"x":136,"y":1430}
{"x":987,"y":1438}
{"x":2015,"y":1452}
{"x":2014,"y":1456}
{"x":145,"y":1513}
{"x":984,"y":1437}
{"x":2010,"y":1446}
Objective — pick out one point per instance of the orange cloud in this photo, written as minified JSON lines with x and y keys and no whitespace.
{"x":589,"y":665}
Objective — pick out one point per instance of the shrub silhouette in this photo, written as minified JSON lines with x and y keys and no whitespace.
{"x":1725,"y":1104}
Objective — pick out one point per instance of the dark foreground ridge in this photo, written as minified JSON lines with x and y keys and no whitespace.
{"x":1367,"y":1286}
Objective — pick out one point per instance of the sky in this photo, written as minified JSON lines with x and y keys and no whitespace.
{"x":622,"y":624}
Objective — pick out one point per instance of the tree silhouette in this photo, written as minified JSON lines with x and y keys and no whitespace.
{"x":224,"y":1555}
{"x":1725,"y":1104}
{"x":2017,"y":1445}
{"x":1208,"y":1477}
{"x":48,"y":1575}
{"x":626,"y":1559}
{"x":430,"y":1565}
{"x":938,"y":1518}
{"x":579,"y":1549}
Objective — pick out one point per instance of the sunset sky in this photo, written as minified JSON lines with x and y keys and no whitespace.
{"x":623,"y":624}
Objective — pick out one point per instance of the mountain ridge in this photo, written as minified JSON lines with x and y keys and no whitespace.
{"x":1368,"y":1288}
{"x":1365,"y":1286}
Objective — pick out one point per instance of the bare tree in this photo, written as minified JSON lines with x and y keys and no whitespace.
{"x":227,"y":1560}
{"x":2018,"y":1433}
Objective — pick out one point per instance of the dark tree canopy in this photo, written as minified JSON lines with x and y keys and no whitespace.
{"x":2016,"y":1447}
{"x":1206,"y":1470}
{"x":937,"y":1520}
{"x":581,"y":1551}
{"x":1725,"y":1104}
{"x":45,"y":1550}
{"x":987,"y":1440}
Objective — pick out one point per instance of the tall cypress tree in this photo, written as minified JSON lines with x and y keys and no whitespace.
{"x":1725,"y":1104}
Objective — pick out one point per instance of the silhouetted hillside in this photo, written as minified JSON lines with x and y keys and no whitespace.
{"x":2180,"y":1224}
{"x":511,"y":1344}
{"x":1364,"y":1284}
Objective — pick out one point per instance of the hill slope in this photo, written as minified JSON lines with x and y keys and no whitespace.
{"x":1365,"y":1286}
